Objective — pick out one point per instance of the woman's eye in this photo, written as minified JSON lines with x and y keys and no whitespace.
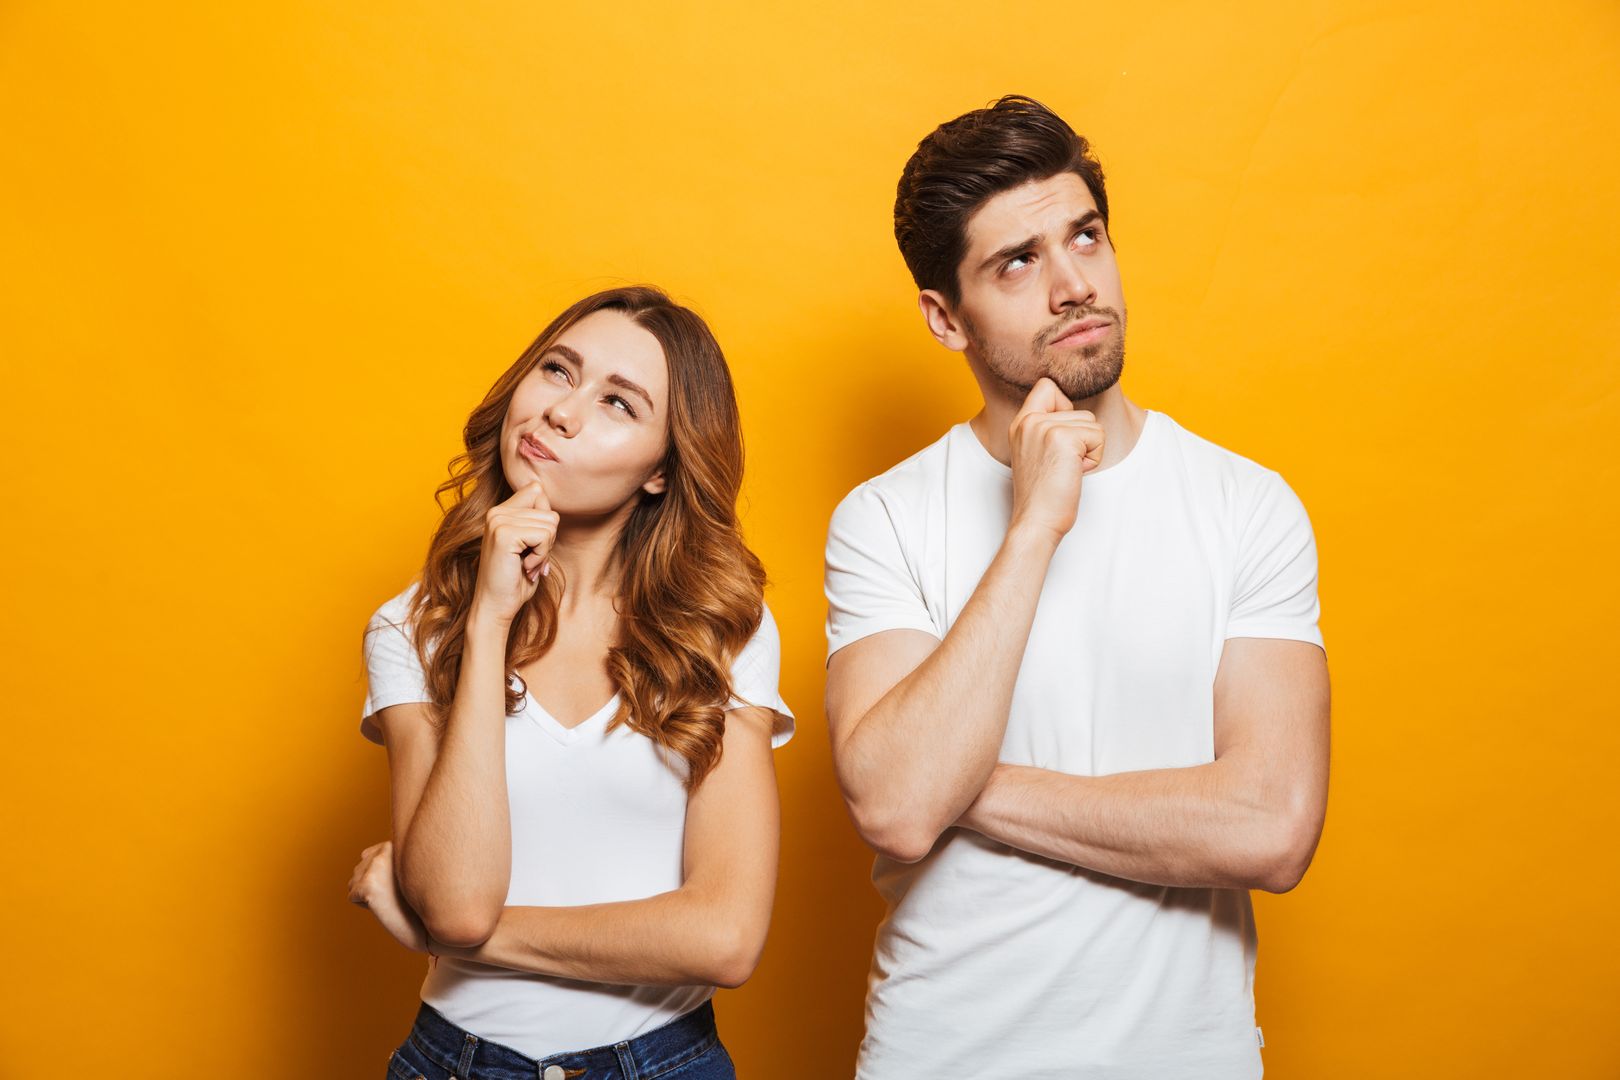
{"x":555,"y":370}
{"x":620,"y":403}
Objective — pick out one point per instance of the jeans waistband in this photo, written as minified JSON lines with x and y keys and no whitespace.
{"x":646,"y":1056}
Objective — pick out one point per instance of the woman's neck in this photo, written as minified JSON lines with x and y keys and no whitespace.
{"x":586,"y":551}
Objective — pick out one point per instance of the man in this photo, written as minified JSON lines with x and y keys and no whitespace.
{"x":1076,"y":691}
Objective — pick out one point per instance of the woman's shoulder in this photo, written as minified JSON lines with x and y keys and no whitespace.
{"x":394,"y":612}
{"x":756,"y":676}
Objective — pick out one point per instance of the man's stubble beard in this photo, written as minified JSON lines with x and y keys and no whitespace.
{"x":1080,"y":374}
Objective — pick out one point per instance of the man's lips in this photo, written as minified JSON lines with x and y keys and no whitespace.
{"x":530,"y":447}
{"x":1084,"y":332}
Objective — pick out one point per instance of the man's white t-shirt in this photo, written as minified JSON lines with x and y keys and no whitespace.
{"x":995,"y":961}
{"x":596,"y":816}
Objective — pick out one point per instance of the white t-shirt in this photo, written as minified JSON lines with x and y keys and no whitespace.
{"x":596,"y":816}
{"x":999,"y":961}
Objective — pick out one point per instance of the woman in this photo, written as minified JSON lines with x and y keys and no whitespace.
{"x":579,"y":702}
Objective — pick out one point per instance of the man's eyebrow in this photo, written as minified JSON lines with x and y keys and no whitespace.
{"x":1024,"y":245}
{"x":616,"y":380}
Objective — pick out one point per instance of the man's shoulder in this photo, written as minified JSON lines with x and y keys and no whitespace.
{"x":1233,"y":470}
{"x":907,"y":482}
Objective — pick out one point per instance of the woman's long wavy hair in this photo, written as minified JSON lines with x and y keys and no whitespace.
{"x":691,"y":592}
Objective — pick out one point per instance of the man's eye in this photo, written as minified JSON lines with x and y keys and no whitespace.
{"x":1013,"y":263}
{"x":1087,"y":236}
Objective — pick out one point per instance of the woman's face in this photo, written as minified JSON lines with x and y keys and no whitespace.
{"x":590,"y":419}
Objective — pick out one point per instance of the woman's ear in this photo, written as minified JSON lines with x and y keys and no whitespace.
{"x":654,"y":484}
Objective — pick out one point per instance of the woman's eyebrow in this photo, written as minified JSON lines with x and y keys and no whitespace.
{"x":579,"y":361}
{"x":616,"y":380}
{"x":620,"y":380}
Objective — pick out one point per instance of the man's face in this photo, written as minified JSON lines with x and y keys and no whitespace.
{"x":1041,"y":293}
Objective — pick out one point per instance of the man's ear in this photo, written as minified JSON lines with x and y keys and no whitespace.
{"x":941,"y":321}
{"x":654,"y":484}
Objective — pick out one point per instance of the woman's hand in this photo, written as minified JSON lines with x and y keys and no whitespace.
{"x":518,"y":535}
{"x":373,"y":885}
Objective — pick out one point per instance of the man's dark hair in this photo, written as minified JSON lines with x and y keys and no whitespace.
{"x":964,"y":163}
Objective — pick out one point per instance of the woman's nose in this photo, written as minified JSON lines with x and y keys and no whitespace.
{"x":561,"y":414}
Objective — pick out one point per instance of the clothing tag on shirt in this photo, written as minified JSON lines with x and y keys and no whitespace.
{"x":1261,"y":1036}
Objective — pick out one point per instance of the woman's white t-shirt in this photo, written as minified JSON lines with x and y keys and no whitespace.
{"x":597,"y":816}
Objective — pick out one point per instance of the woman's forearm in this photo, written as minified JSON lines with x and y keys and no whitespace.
{"x":683,"y":937}
{"x":456,"y":858}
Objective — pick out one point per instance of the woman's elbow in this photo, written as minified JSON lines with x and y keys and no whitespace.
{"x":460,"y":925}
{"x":456,"y":917}
{"x":735,"y":956}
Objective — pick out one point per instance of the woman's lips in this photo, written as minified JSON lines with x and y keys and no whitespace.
{"x":535,"y":450}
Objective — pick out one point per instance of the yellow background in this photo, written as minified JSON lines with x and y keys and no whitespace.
{"x":262,"y":260}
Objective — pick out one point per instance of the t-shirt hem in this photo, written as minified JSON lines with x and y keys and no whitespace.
{"x":379,"y":702}
{"x":1284,"y":631}
{"x":782,"y":724}
{"x":849,"y":635}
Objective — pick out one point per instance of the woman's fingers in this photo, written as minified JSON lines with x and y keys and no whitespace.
{"x":532,"y":495}
{"x":360,"y":877}
{"x":517,"y":534}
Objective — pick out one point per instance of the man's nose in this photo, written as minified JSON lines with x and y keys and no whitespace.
{"x":1071,"y":287}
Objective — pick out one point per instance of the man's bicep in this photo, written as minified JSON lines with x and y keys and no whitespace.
{"x":862,"y":672}
{"x":1271,"y":706}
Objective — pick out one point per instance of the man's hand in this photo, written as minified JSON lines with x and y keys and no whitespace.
{"x":1053,"y":446}
{"x":373,"y":885}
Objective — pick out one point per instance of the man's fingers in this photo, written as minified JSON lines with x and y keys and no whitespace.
{"x":1081,"y":435}
{"x":1043,"y":397}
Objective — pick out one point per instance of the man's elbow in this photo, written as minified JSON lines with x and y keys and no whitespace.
{"x":1288,"y":854}
{"x":894,"y":835}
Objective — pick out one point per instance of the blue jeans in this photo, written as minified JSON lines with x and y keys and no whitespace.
{"x":686,"y":1048}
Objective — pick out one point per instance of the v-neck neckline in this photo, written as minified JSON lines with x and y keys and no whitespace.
{"x":560,"y":731}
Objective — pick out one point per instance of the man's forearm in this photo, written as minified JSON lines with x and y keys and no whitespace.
{"x":920,"y":755}
{"x":1213,"y":826}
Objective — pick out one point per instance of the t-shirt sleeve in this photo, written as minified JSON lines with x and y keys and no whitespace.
{"x":870,"y":588}
{"x":755,"y":675}
{"x":393,"y":672}
{"x":1274,"y":595}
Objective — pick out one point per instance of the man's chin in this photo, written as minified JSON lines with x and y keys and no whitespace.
{"x":1081,"y":381}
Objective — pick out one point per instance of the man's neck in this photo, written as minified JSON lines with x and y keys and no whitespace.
{"x":1120,"y":417}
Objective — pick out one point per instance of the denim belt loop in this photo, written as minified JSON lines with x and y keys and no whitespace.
{"x":627,"y":1061}
{"x":468,"y":1046}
